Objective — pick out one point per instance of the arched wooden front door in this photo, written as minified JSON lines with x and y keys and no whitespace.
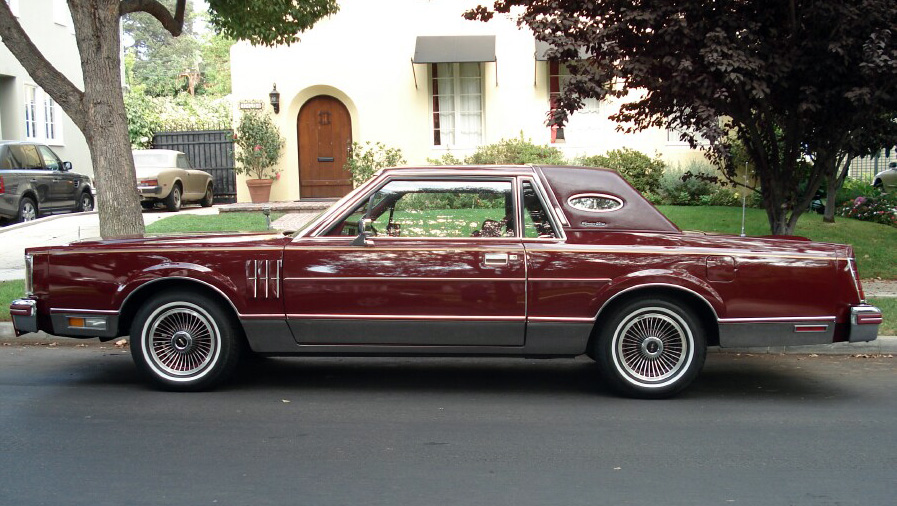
{"x":324,"y":129}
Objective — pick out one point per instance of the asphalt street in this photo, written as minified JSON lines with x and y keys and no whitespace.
{"x":79,"y":427}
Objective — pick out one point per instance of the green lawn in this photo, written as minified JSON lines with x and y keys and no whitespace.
{"x":9,"y":291}
{"x":873,"y":244}
{"x":223,"y":222}
{"x":889,"y":311}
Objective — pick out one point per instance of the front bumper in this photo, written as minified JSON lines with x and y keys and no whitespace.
{"x":24,"y":315}
{"x":864,"y":323}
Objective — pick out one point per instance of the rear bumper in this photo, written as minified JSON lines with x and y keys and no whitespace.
{"x":24,"y":315}
{"x":864,"y":323}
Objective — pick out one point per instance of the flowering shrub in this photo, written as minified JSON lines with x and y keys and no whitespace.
{"x":875,"y":209}
{"x":260,"y":146}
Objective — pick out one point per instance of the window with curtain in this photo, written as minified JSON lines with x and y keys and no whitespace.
{"x":558,"y":75}
{"x":42,"y":116}
{"x":30,"y":112}
{"x":457,"y":104}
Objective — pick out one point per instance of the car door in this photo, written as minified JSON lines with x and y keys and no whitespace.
{"x":443,"y":268}
{"x":62,"y":185}
{"x":31,"y":173}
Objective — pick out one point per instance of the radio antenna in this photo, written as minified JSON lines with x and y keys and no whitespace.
{"x":744,"y":199}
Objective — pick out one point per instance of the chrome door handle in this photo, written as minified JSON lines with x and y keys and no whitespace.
{"x":496,"y":259}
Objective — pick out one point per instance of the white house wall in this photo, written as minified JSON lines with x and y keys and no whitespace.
{"x":362,"y":56}
{"x":49,"y":25}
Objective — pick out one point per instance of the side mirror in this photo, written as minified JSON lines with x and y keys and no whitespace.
{"x":364,"y":232}
{"x":66,"y":166}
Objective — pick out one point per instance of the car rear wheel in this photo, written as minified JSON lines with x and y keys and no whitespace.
{"x":208,"y":198}
{"x":650,"y":348}
{"x":185,"y":341}
{"x":27,"y":210}
{"x":173,"y":200}
{"x":85,"y":203}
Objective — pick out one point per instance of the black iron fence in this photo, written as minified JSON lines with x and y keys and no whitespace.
{"x":208,"y":150}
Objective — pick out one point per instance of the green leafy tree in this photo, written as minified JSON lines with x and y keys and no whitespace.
{"x":160,"y":59}
{"x":98,"y":108}
{"x":793,"y":81}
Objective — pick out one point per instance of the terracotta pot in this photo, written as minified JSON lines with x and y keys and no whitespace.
{"x":259,"y":190}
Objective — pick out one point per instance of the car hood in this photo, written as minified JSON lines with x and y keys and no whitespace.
{"x":226,"y":240}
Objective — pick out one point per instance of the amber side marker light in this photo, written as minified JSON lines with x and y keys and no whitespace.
{"x":78,"y":322}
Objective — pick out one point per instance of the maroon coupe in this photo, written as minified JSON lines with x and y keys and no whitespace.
{"x":473,"y":261}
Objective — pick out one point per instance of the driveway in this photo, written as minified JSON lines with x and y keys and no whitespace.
{"x":61,"y":229}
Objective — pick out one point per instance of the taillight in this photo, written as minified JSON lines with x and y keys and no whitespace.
{"x":855,"y":274}
{"x":29,"y":275}
{"x":148,"y":182}
{"x":2,"y":188}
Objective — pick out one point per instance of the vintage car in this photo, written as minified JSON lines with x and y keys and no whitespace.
{"x":521,"y":261}
{"x":886,"y":179}
{"x":166,"y":176}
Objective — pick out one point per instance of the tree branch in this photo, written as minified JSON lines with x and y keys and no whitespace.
{"x":174,"y":24}
{"x":66,"y":94}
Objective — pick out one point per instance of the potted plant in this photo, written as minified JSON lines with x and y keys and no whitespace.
{"x":260,"y":146}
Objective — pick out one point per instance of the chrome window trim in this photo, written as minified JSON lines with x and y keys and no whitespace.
{"x":549,"y":211}
{"x":607,"y":196}
{"x":375,"y":185}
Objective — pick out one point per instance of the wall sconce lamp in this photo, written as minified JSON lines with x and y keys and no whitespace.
{"x":275,"y":99}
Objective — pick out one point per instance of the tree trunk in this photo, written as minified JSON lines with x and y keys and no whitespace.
{"x":835,"y":182}
{"x":98,"y":111}
{"x":105,"y":122}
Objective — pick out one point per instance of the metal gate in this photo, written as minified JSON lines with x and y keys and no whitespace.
{"x":208,"y":150}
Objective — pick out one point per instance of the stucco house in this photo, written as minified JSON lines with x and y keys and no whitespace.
{"x":26,"y":111}
{"x":414,"y":75}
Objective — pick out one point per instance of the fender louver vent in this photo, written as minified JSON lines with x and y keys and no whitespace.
{"x":264,"y":278}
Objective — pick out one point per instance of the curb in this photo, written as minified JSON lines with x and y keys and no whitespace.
{"x":884,"y":345}
{"x":44,"y":219}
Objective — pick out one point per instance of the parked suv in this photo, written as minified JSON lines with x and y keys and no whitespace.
{"x":34,"y":181}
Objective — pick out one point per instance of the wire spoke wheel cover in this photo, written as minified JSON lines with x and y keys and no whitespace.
{"x":650,"y":348}
{"x":181,"y":341}
{"x":653,"y":345}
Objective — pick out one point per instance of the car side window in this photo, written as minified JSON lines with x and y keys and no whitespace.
{"x":444,"y":209}
{"x":51,"y":161}
{"x":24,"y":156}
{"x":182,"y":162}
{"x":536,"y":223}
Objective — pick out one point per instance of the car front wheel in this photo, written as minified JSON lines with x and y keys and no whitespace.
{"x":85,"y":203}
{"x":185,"y":341}
{"x":650,"y":348}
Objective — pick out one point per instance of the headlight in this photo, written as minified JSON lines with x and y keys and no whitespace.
{"x":29,"y":275}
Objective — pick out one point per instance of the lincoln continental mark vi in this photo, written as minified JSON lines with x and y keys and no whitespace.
{"x":521,"y":261}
